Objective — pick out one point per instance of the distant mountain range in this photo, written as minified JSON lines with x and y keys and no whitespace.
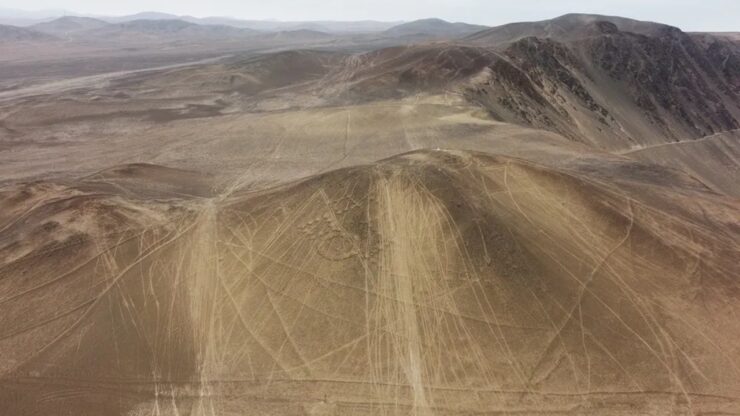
{"x":23,"y":18}
{"x":152,"y":26}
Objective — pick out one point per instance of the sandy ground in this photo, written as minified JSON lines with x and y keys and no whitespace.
{"x":211,"y":251}
{"x":714,"y":159}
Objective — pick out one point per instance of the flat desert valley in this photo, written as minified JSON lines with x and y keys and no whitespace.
{"x":420,"y":219}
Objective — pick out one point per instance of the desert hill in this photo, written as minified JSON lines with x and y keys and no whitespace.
{"x":68,"y":25}
{"x":266,"y":25}
{"x":589,"y":80}
{"x":435,"y":271}
{"x":406,"y":70}
{"x":335,"y":27}
{"x":735,"y":36}
{"x":434,"y":28}
{"x":296,"y":36}
{"x":148,"y":15}
{"x":567,"y":27}
{"x":167,"y":28}
{"x":249,"y":75}
{"x":666,"y":86}
{"x":10,"y":33}
{"x":715,"y":159}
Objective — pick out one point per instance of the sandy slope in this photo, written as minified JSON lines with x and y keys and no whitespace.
{"x":714,"y":159}
{"x":437,"y":282}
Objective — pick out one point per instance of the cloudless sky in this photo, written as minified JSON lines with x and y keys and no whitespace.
{"x":705,"y":15}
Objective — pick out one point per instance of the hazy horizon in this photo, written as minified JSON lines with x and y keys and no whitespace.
{"x":689,"y":15}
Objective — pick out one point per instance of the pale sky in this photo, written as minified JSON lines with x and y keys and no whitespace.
{"x":704,"y":15}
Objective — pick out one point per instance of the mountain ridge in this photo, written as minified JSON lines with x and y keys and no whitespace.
{"x":9,"y":33}
{"x":434,"y":27}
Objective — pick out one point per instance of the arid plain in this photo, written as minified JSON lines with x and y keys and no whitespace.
{"x":426,"y":219}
